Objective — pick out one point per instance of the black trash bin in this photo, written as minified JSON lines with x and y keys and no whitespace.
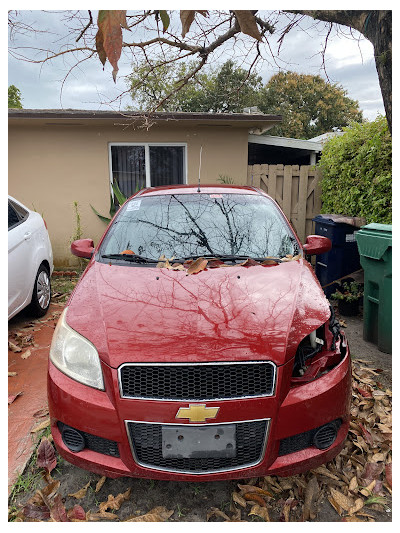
{"x":343,"y":258}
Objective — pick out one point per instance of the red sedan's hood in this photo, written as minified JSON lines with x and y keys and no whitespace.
{"x":141,"y":314}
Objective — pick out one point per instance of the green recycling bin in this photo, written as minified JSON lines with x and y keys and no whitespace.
{"x":375,"y":246}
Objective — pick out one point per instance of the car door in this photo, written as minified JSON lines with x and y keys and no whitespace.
{"x":19,"y":255}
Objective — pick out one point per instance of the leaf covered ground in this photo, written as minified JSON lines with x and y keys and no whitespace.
{"x":355,"y":487}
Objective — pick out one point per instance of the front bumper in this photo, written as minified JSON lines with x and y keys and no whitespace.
{"x":288,"y":413}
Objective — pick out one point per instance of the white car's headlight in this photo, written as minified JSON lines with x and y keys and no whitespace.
{"x":75,"y":356}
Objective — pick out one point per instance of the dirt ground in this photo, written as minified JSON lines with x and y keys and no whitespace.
{"x":284,"y":498}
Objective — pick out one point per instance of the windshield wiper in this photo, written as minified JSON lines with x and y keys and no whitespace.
{"x":227,"y":257}
{"x":132,"y":258}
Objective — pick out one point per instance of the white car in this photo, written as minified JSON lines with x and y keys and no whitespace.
{"x":30,"y":261}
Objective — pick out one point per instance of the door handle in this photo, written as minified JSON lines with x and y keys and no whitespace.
{"x":27,"y":235}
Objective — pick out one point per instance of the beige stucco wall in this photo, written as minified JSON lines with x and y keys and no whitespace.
{"x":52,"y":166}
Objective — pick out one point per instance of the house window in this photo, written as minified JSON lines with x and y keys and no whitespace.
{"x":134,"y":166}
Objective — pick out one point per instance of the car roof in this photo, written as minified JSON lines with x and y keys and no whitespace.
{"x":192,"y":189}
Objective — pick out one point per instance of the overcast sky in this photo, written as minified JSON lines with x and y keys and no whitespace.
{"x":349,"y":62}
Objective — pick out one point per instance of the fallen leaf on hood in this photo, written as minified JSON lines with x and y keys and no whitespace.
{"x":81,"y":493}
{"x":197,"y":266}
{"x":41,"y":426}
{"x":262,"y":512}
{"x":100,"y":483}
{"x":12,"y":397}
{"x":12,"y":374}
{"x":249,"y":262}
{"x":158,"y":514}
{"x":26,"y":354}
{"x":114,"y":502}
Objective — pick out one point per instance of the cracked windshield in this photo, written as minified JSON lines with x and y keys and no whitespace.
{"x":183,"y":225}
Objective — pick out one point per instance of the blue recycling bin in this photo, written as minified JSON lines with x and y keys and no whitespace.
{"x":343,"y":258}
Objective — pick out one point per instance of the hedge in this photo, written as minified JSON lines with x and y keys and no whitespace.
{"x":357,"y":172}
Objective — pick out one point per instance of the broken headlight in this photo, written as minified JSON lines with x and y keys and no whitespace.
{"x":308,"y":348}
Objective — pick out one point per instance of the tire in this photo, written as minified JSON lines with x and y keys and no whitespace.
{"x":41,"y":295}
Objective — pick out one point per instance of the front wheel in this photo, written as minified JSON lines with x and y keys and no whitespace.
{"x":41,"y":293}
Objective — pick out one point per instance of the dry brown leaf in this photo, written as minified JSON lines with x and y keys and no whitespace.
{"x":309,"y":499}
{"x":94,"y":517}
{"x":13,"y":347}
{"x":41,"y":426}
{"x":358,"y":505}
{"x":197,"y":266}
{"x":254,"y":497}
{"x":214,"y":511}
{"x":12,"y":374}
{"x":325,"y":472}
{"x":238,"y":499}
{"x":187,"y":17}
{"x":248,"y":24}
{"x":343,"y":501}
{"x":262,"y":512}
{"x":26,"y":354}
{"x":80,"y":493}
{"x":366,"y":491}
{"x":253,"y":488}
{"x":353,"y":485}
{"x":337,"y":507}
{"x":100,"y":483}
{"x":114,"y":502}
{"x":158,"y":514}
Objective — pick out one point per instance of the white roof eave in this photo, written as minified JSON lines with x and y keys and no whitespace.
{"x":286,"y":142}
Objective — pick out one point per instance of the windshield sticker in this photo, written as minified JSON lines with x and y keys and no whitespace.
{"x":215,"y":195}
{"x":134,"y":205}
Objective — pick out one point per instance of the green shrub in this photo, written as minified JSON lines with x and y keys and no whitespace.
{"x":357,"y":172}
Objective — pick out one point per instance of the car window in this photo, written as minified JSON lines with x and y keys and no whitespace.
{"x":180,"y":225}
{"x":16,"y":214}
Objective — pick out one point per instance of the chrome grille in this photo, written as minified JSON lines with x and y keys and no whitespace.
{"x":197,"y":381}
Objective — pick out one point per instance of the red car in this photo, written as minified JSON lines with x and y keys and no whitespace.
{"x":198,"y":344}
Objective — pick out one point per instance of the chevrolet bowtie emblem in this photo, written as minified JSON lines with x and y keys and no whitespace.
{"x":197,"y":412}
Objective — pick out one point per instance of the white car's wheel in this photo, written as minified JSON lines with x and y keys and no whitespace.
{"x":41,"y":292}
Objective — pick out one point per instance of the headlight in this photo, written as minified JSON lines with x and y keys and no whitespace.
{"x":75,"y":356}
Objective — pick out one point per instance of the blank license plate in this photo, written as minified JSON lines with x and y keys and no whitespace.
{"x":198,"y":442}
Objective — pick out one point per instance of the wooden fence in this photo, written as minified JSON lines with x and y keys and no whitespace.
{"x":295,"y":188}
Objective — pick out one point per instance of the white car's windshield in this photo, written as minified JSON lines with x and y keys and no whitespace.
{"x":184,"y":225}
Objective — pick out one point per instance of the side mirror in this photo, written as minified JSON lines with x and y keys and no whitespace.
{"x":83,"y":248}
{"x":316,"y":244}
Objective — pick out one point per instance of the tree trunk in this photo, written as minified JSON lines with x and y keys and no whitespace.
{"x":376,"y":26}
